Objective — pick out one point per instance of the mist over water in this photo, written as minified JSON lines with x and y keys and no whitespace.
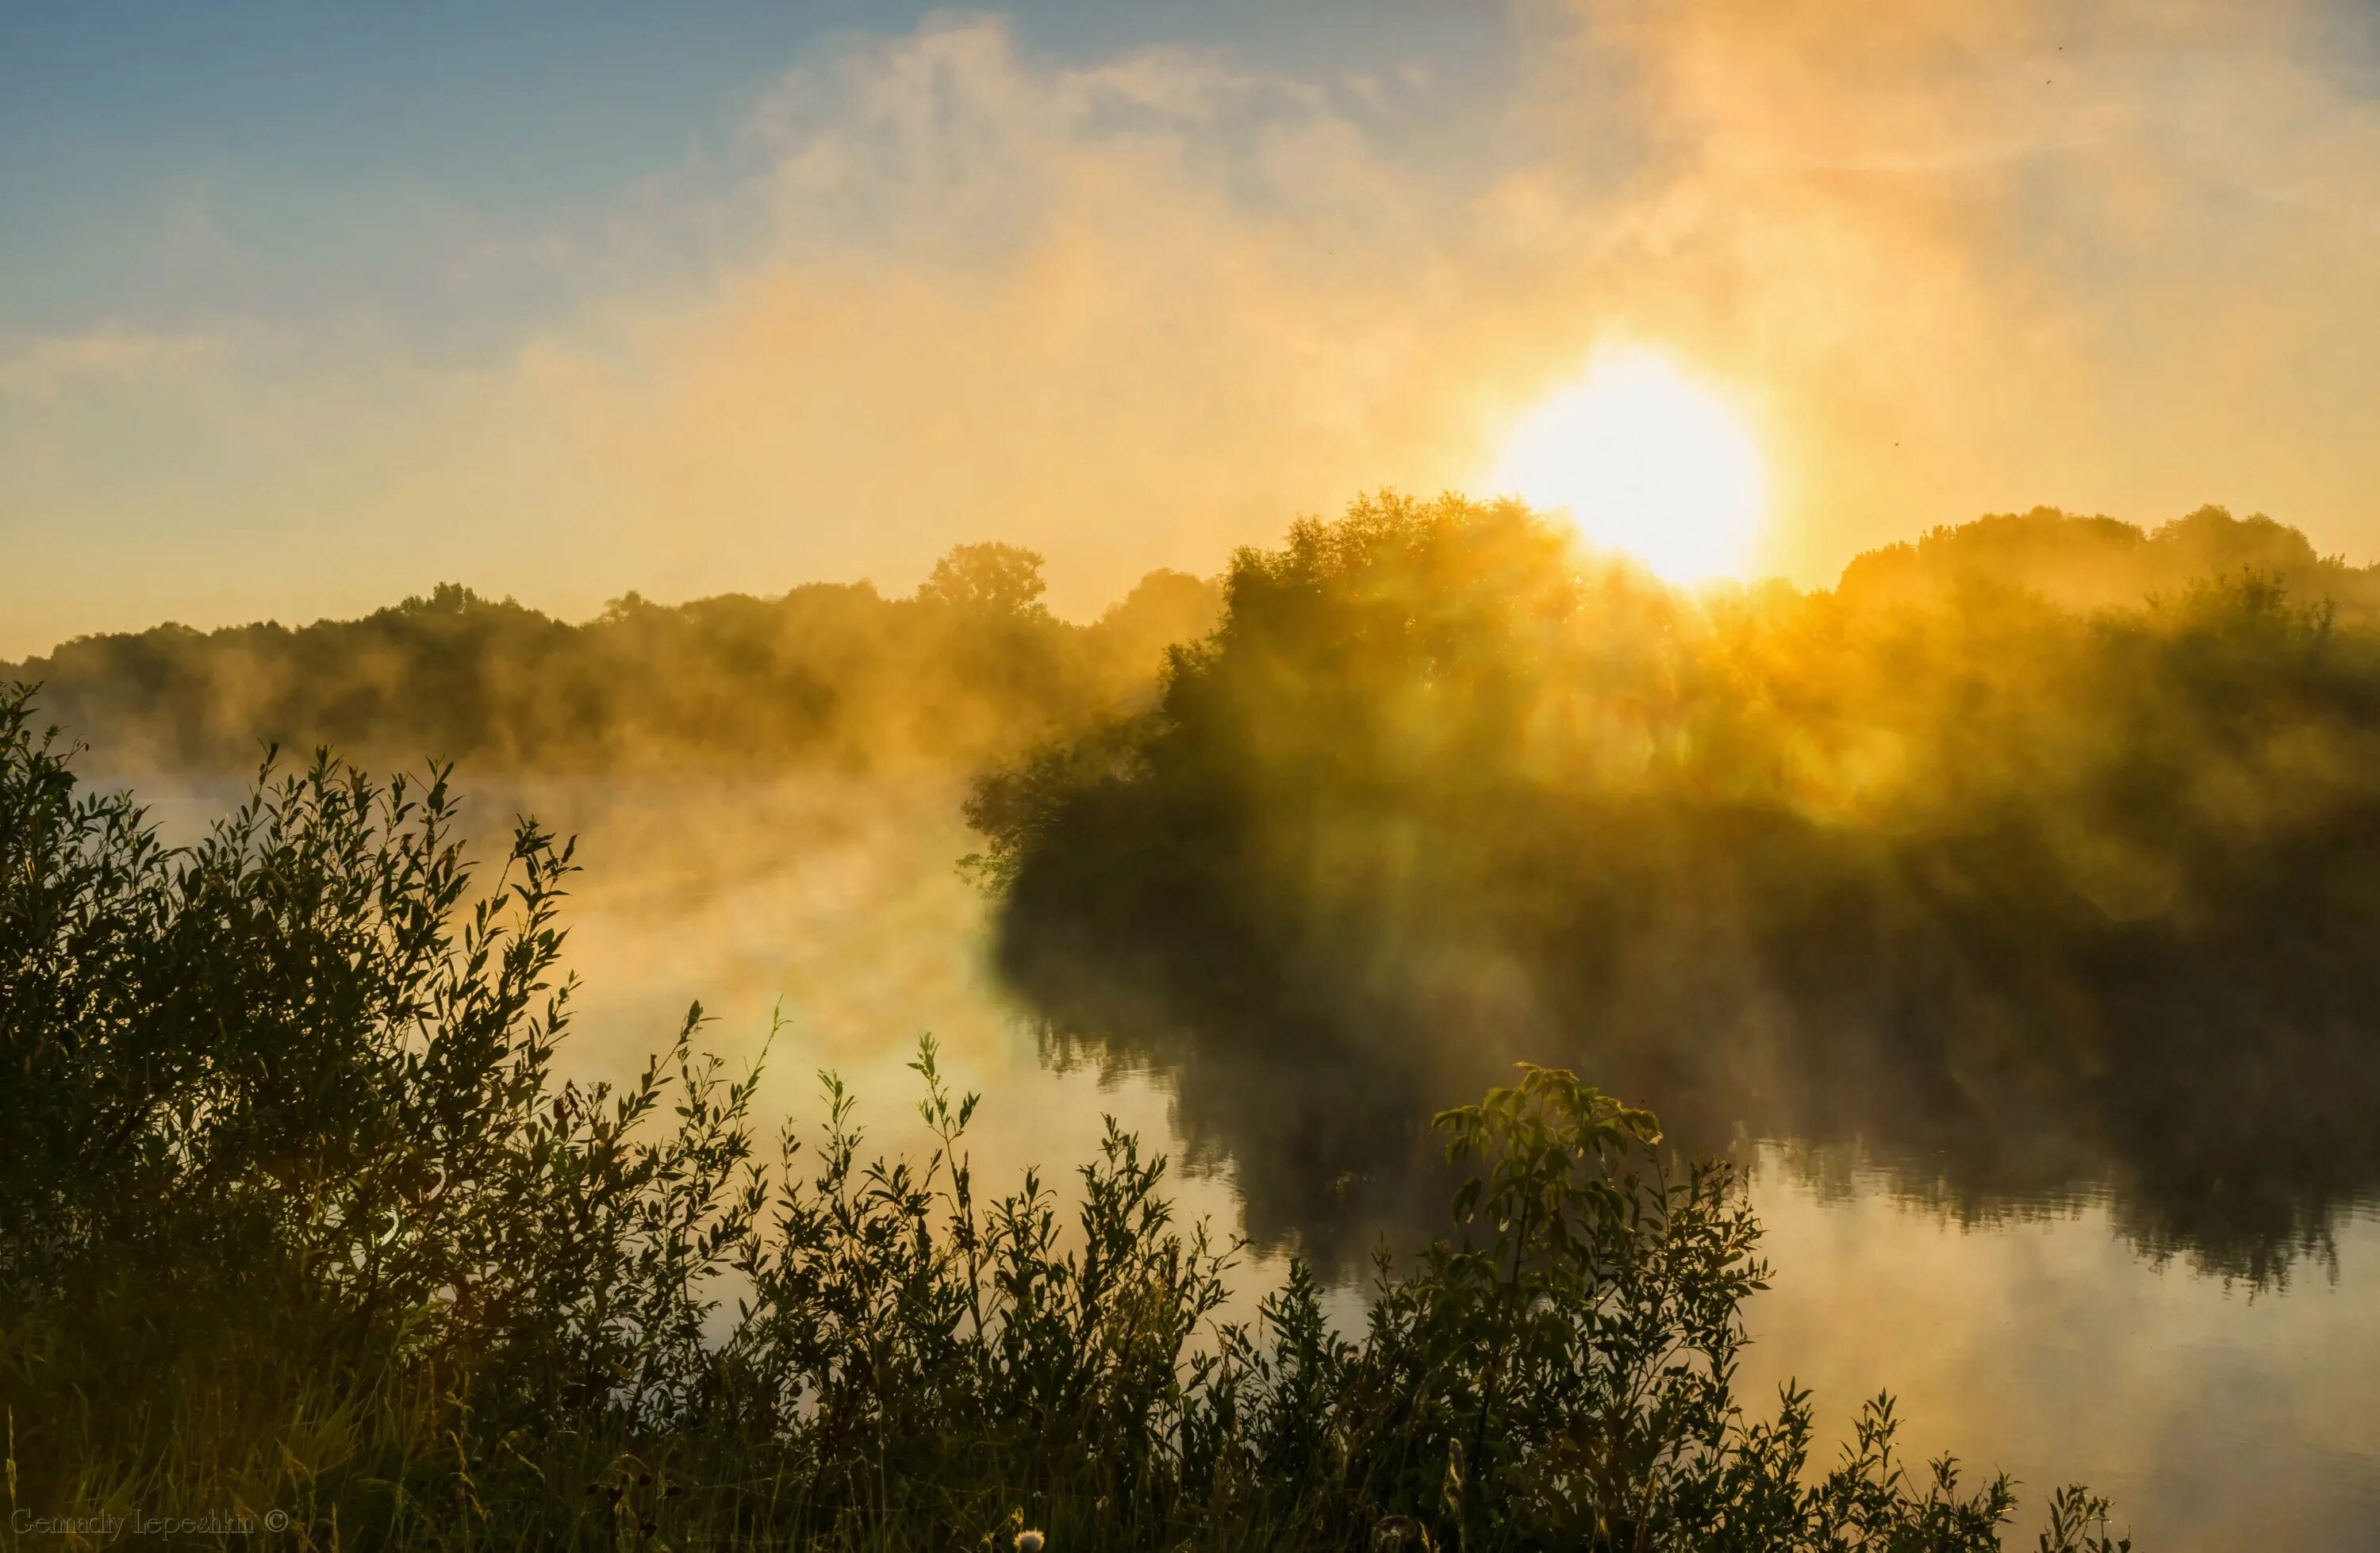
{"x":2003,"y":916}
{"x":2030,"y":1327}
{"x":748,"y":796}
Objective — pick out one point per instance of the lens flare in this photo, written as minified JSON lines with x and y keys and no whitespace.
{"x":1645,"y":461}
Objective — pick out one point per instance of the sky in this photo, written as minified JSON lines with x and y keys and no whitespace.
{"x":305,"y":307}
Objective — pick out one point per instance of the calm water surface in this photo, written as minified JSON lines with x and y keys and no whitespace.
{"x":2033,"y":1337}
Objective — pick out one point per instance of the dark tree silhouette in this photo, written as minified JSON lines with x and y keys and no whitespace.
{"x":2030,"y":897}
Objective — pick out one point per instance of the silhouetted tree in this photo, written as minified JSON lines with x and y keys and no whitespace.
{"x":1951,"y":868}
{"x":996,"y":579}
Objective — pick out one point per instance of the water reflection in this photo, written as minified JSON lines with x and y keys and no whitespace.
{"x":2000,"y":1291}
{"x":2221,"y":1112}
{"x":2218,"y":1416}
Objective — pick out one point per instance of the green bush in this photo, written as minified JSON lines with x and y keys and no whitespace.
{"x":297,"y":1216}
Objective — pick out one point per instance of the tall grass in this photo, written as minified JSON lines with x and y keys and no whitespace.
{"x":299,"y":1224}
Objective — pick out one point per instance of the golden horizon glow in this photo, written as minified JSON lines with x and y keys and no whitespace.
{"x":1645,"y":461}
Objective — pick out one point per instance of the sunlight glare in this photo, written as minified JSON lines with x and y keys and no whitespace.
{"x":1647,"y":462}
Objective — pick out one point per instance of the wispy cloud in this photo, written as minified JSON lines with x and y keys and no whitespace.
{"x":1136,"y":309}
{"x":42,"y":368}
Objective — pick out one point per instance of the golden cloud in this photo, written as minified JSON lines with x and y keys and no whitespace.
{"x":1948,"y":259}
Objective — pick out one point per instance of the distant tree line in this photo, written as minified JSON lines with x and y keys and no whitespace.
{"x":2086,"y":564}
{"x":971,"y":667}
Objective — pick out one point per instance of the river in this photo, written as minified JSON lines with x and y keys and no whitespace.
{"x":2033,"y":1332}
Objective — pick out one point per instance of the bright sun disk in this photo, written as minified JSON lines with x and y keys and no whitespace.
{"x":1647,"y":462}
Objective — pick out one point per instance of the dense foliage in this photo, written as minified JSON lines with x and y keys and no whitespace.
{"x":1936,"y":860}
{"x":2085,"y":563}
{"x":831,"y":674}
{"x":296,"y":1219}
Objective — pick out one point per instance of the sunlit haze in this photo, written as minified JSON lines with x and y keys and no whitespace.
{"x":302,"y":311}
{"x":1646,"y":462}
{"x":1190,"y":774}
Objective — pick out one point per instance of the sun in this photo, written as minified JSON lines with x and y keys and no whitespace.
{"x":1645,"y":461}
